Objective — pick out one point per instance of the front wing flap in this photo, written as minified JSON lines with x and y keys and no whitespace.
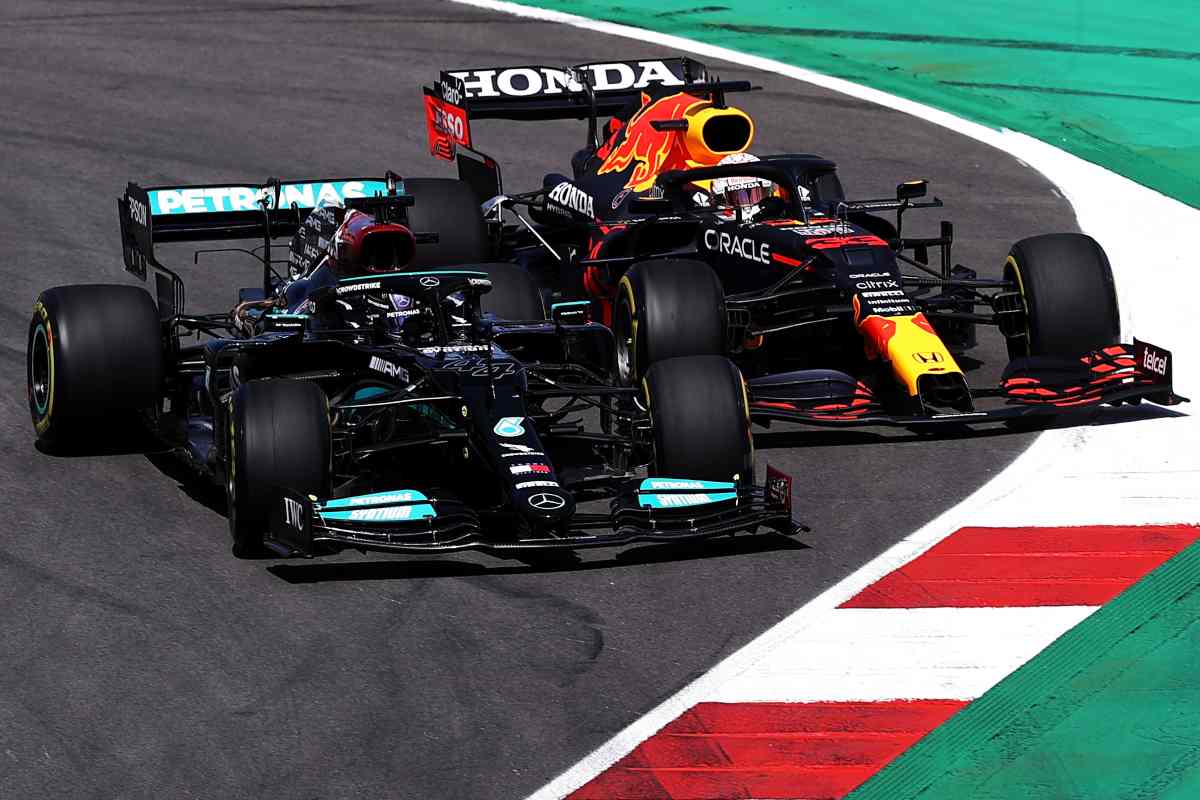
{"x":1029,"y":387}
{"x":654,"y":510}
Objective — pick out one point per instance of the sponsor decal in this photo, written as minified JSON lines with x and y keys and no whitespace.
{"x":1153,"y":359}
{"x":619,"y":197}
{"x":451,"y":91}
{"x":212,"y":199}
{"x":834,"y":242}
{"x":388,"y":368}
{"x":659,"y":483}
{"x":382,"y":514}
{"x":680,"y":500}
{"x":549,"y":81}
{"x":519,"y":451}
{"x":709,"y":492}
{"x":566,"y":197}
{"x":365,"y":286}
{"x":478,"y":366}
{"x":293,"y":514}
{"x":137,"y":211}
{"x":817,"y":230}
{"x":928,"y":358}
{"x":878,"y":284}
{"x":446,"y":122}
{"x":526,"y":469}
{"x":455,"y":348}
{"x":509,"y":427}
{"x":429,"y":282}
{"x":740,"y":246}
{"x":545,"y":501}
{"x":345,"y":508}
{"x":408,"y":312}
{"x":779,"y":488}
{"x":534,"y":484}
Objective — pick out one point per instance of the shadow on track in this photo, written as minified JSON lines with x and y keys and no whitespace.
{"x":558,"y":561}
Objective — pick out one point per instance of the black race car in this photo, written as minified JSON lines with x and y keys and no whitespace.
{"x":686,"y":244}
{"x":380,"y":396}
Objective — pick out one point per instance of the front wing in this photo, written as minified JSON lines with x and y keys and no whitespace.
{"x":409,"y":521}
{"x":1030,"y":387}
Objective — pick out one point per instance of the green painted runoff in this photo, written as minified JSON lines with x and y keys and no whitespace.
{"x":1115,"y":83}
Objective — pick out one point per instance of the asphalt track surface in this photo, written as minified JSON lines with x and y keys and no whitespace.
{"x":139,"y":658}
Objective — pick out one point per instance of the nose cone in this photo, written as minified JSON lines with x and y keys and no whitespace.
{"x":545,"y":506}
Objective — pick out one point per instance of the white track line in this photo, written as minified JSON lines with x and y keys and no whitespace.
{"x":1145,"y":472}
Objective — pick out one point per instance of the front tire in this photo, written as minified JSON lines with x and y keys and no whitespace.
{"x":94,"y":355}
{"x":277,"y":435}
{"x":1070,"y":301}
{"x":667,"y":309}
{"x":700,"y":417}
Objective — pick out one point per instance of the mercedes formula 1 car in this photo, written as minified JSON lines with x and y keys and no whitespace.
{"x":379,"y":396}
{"x":686,"y":244}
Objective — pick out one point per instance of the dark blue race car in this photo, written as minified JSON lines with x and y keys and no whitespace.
{"x":381,"y":395}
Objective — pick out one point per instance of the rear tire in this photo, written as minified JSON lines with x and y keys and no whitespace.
{"x":1070,"y":301}
{"x":94,"y":356}
{"x":514,"y":295}
{"x":701,"y":420}
{"x":450,"y":209}
{"x":276,"y":436}
{"x":667,"y":309}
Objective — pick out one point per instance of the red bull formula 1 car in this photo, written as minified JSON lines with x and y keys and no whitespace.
{"x":686,"y":244}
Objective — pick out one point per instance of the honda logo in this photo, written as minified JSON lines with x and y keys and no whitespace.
{"x":547,"y":502}
{"x":928,"y":358}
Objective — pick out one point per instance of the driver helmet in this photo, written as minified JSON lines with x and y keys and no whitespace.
{"x":363,"y":245}
{"x":741,"y":192}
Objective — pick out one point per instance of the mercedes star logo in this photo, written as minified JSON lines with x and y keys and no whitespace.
{"x":429,"y":282}
{"x":547,"y":502}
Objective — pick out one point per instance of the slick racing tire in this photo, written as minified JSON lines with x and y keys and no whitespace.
{"x":276,"y":435}
{"x":700,"y":418}
{"x":450,"y":209}
{"x":1070,"y":302}
{"x":514,"y":295}
{"x":667,"y":309}
{"x":94,"y":358}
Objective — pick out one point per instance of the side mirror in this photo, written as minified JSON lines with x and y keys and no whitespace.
{"x":571,"y":312}
{"x":911,"y":190}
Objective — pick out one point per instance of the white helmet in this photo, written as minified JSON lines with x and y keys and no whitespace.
{"x":741,"y":192}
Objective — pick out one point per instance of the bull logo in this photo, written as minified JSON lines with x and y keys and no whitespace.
{"x":707,"y":139}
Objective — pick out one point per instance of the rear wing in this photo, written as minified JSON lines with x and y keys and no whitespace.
{"x":214,"y":212}
{"x":534,"y":92}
